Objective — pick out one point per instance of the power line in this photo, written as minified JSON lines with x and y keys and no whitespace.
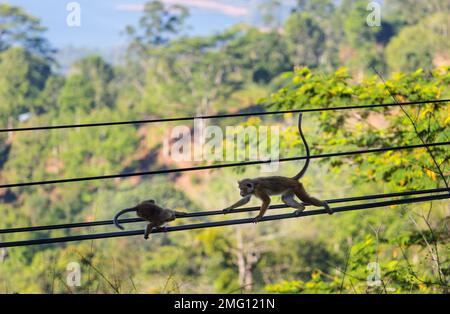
{"x":247,"y":163}
{"x":216,"y":212}
{"x":221,"y":223}
{"x":219,"y":116}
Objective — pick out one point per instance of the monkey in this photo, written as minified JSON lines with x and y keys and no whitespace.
{"x":151,"y":212}
{"x":264,"y":187}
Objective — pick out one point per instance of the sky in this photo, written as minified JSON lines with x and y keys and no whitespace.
{"x":103,"y":21}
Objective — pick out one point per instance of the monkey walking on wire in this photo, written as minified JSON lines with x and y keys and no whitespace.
{"x":151,"y":212}
{"x":288,"y":188}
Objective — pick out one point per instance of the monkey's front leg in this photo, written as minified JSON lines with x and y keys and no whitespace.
{"x":239,"y":203}
{"x":265,"y":204}
{"x":149,"y":229}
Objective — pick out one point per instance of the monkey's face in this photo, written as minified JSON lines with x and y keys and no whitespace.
{"x":246,"y":186}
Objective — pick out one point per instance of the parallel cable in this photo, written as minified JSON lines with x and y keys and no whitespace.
{"x":216,"y":212}
{"x":198,"y":168}
{"x":221,"y":116}
{"x":222,"y":223}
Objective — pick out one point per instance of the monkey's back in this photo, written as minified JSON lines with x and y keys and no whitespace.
{"x":275,"y":184}
{"x":152,"y":213}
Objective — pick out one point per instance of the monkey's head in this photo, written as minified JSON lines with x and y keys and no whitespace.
{"x":247,"y":187}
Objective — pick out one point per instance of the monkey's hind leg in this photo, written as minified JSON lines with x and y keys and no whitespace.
{"x":288,"y":199}
{"x":148,"y":230}
{"x":303,"y":196}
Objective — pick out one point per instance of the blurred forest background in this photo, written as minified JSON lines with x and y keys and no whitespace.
{"x":321,"y":55}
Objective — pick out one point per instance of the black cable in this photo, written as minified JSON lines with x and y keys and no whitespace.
{"x":216,"y":212}
{"x":232,"y":115}
{"x":221,"y":223}
{"x":247,"y":163}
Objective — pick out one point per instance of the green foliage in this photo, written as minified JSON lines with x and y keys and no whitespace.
{"x":365,"y":271}
{"x":47,"y":101}
{"x":22,"y":78}
{"x":168,"y":75}
{"x":321,"y":8}
{"x":298,"y":260}
{"x":19,"y":28}
{"x":77,"y":95}
{"x":88,"y":87}
{"x":356,"y":30}
{"x":100,"y":75}
{"x":423,"y":45}
{"x":305,"y":39}
{"x":269,"y":11}
{"x":157,"y":24}
{"x":254,"y":52}
{"x":401,"y":170}
{"x":363,"y":51}
{"x":411,"y":12}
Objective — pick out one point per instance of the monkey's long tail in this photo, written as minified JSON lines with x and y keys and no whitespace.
{"x":116,"y":217}
{"x":308,"y":156}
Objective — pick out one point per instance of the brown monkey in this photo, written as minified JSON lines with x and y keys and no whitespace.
{"x":265,"y":187}
{"x":154,"y":214}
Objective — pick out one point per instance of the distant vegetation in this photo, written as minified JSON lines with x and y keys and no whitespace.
{"x":322,"y":55}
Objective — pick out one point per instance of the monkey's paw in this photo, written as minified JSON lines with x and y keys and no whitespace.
{"x":146,"y":237}
{"x":226,"y":211}
{"x":330,"y":211}
{"x":257,"y":219}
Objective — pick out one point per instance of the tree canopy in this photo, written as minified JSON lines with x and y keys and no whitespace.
{"x":321,"y":55}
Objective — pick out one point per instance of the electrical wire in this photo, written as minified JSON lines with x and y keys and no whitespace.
{"x":216,"y":212}
{"x":210,"y":213}
{"x":220,"y":116}
{"x":247,"y":163}
{"x":222,"y":223}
